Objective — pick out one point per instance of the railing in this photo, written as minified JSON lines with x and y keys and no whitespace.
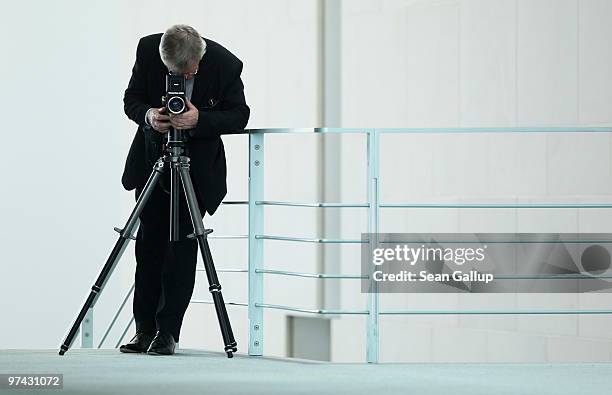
{"x":256,"y":237}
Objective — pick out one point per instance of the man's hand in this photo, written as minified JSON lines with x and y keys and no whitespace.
{"x":186,"y":120}
{"x":159,"y":120}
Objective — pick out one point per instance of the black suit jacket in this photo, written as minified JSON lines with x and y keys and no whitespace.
{"x":218,"y":93}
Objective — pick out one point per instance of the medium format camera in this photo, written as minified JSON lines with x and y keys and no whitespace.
{"x":174,"y":100}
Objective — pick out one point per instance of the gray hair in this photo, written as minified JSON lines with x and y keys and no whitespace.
{"x":181,"y":45}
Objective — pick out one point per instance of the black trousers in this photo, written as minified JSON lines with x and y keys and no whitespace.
{"x":165,"y":270}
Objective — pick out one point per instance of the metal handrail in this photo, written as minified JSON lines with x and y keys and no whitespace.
{"x":314,"y":204}
{"x":206,"y":301}
{"x":373,"y":205}
{"x":310,"y":311}
{"x":227,"y":236}
{"x":493,"y":205}
{"x":307,"y":239}
{"x":478,"y":130}
{"x":494,"y":312}
{"x":256,"y":204}
{"x":311,"y":275}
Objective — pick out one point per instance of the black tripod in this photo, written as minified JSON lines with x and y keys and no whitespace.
{"x":179,"y":169}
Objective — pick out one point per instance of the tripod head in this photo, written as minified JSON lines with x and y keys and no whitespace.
{"x":174,"y":151}
{"x":176,"y":140}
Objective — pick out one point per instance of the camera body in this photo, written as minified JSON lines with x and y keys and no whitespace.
{"x":175,"y":98}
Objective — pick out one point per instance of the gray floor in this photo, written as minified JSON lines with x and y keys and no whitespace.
{"x":200,"y":372}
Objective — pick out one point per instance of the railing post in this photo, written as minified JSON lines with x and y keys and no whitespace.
{"x":372,"y":334}
{"x":87,"y":330}
{"x":256,"y":223}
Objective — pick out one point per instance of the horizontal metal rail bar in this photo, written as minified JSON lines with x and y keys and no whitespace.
{"x":358,"y":241}
{"x":307,"y":240}
{"x":228,"y":237}
{"x":497,"y":276}
{"x":235,"y":202}
{"x":498,"y":241}
{"x":492,"y":312}
{"x":552,"y":277}
{"x":343,"y":130}
{"x":204,"y":301}
{"x":439,"y":130}
{"x":282,"y":130}
{"x":494,"y":205}
{"x":310,"y":311}
{"x":437,"y":312}
{"x":309,"y":130}
{"x":500,"y":130}
{"x":227,"y":270}
{"x":310,"y":275}
{"x":314,"y":204}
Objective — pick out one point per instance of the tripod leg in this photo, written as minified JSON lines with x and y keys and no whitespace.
{"x":125,"y":235}
{"x":213,"y":282}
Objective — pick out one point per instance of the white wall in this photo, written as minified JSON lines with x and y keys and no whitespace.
{"x":467,"y":64}
{"x":65,"y":66}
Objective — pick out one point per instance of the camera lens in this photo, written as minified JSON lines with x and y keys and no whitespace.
{"x":176,"y":105}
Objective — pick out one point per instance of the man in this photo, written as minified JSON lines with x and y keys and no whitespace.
{"x":165,"y":270}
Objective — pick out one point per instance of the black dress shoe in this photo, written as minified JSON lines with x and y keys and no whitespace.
{"x":163,"y":344}
{"x":139,"y":343}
